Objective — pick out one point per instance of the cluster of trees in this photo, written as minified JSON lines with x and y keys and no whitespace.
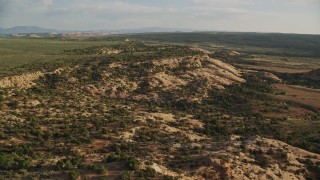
{"x":17,"y":158}
{"x":302,"y":79}
{"x":236,"y":98}
{"x":69,"y":163}
{"x":285,"y":44}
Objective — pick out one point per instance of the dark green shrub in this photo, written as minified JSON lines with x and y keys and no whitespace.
{"x":14,"y":161}
{"x":99,"y":168}
{"x":74,"y":174}
{"x":261,"y":160}
{"x":133,"y":163}
{"x":13,"y":104}
{"x":126,"y":175}
{"x":7,"y":161}
{"x":150,"y":172}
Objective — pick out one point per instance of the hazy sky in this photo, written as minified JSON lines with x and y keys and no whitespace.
{"x":298,"y":16}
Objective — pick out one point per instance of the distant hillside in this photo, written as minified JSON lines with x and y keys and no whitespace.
{"x":151,"y":30}
{"x":26,"y":29}
{"x":309,"y":79}
{"x":314,"y":75}
{"x":282,"y":44}
{"x":35,"y":29}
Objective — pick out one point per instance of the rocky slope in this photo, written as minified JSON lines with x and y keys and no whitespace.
{"x":141,"y":117}
{"x":163,"y":75}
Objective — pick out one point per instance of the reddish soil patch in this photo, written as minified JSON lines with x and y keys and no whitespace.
{"x":276,"y":69}
{"x":280,"y":110}
{"x":302,"y":96}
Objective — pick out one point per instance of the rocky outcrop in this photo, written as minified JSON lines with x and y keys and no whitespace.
{"x":108,"y":51}
{"x":21,"y":82}
{"x":269,"y":77}
{"x":165,"y":75}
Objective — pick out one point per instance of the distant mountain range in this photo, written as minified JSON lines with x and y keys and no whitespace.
{"x":35,"y":29}
{"x":27,"y":29}
{"x":152,"y":29}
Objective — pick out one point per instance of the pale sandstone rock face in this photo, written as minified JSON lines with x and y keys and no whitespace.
{"x":230,"y":161}
{"x":215,"y":71}
{"x":21,"y":82}
{"x":270,"y":77}
{"x":108,"y":51}
{"x":244,"y":166}
{"x":165,"y":81}
{"x":34,"y":102}
{"x":171,"y":74}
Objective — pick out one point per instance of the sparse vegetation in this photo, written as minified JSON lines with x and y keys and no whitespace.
{"x":153,"y":110}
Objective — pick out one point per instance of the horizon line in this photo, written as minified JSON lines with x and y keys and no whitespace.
{"x":182,"y":30}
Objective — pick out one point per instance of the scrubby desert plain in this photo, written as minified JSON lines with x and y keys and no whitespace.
{"x":161,"y":106}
